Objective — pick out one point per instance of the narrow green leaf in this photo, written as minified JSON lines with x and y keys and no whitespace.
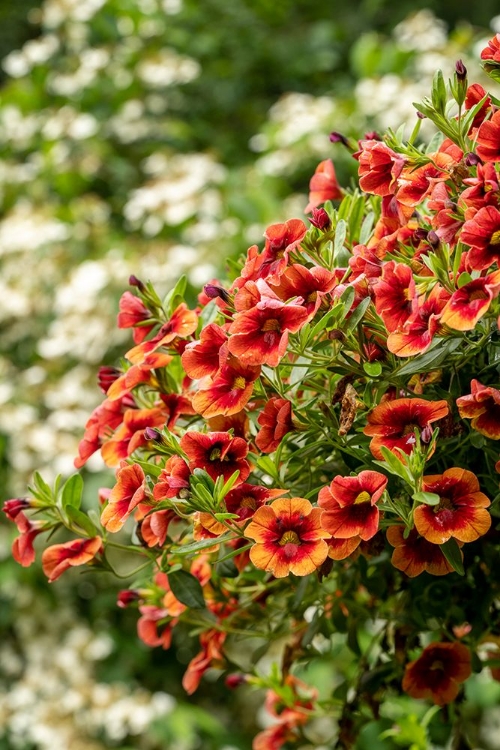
{"x":366,"y":228}
{"x":81,"y":520}
{"x":187,"y":589}
{"x":189,"y":549}
{"x":357,"y":315}
{"x":432,"y":358}
{"x":72,"y":492}
{"x":463,"y":279}
{"x":453,"y":554}
{"x":175,"y":296}
{"x":340,"y":235}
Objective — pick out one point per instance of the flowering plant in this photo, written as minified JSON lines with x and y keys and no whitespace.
{"x":306,"y":461}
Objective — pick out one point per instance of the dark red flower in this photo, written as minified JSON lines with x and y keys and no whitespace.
{"x":414,"y":555}
{"x":275,"y":422}
{"x":438,"y":672}
{"x":217,"y":453}
{"x":482,"y":233}
{"x":488,"y":139}
{"x":482,"y":406}
{"x":202,"y":358}
{"x":229,"y":391}
{"x":281,"y":240}
{"x":417,"y":333}
{"x":132,"y":312}
{"x":379,"y":167}
{"x":461,"y":512}
{"x":395,"y":295}
{"x":247,"y":498}
{"x":393,"y":423}
{"x":323,"y":186}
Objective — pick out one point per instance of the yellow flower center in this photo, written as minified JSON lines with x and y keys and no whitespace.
{"x":495,"y":238}
{"x":248,"y":502}
{"x":478,"y":294}
{"x":444,"y":504}
{"x":312,"y":297}
{"x":437,"y":665}
{"x":271,"y":325}
{"x":363,"y":497}
{"x":215,"y":454}
{"x":239,"y":383}
{"x":289,"y":537}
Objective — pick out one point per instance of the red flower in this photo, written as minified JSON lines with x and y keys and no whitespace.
{"x":59,"y":557}
{"x":275,"y":422}
{"x":461,"y":512}
{"x":211,"y":642}
{"x":13,"y":507}
{"x":309,"y":283}
{"x":488,"y":139}
{"x":130,"y":435}
{"x":417,"y":333}
{"x":104,"y":419}
{"x":438,"y":672}
{"x":492,"y":51}
{"x":247,"y":498}
{"x":323,"y":185}
{"x":414,"y":555}
{"x":202,"y":358}
{"x":148,"y":626}
{"x":379,"y":168}
{"x":281,"y":240}
{"x":482,"y":405}
{"x":125,"y":496}
{"x":416,"y":184}
{"x":182,"y":323}
{"x":137,"y":374}
{"x":229,"y":391}
{"x":289,"y":715}
{"x":173,"y":478}
{"x":392,"y":423}
{"x":349,"y":505}
{"x":475,"y":93}
{"x":218,"y":453}
{"x":469,"y":303}
{"x":260,"y":336}
{"x":154,"y":527}
{"x":23,"y":551}
{"x":288,"y":536}
{"x":395,"y":295}
{"x":132,"y":312}
{"x":482,"y":233}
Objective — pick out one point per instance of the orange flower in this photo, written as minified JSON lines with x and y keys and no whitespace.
{"x":416,"y":335}
{"x":182,"y":323}
{"x":132,"y":312}
{"x":275,"y":422}
{"x":482,"y":406}
{"x":438,"y":672}
{"x":137,"y":374}
{"x":281,"y":240}
{"x":415,"y":554}
{"x":469,"y":303}
{"x":461,"y":512}
{"x":395,"y":295}
{"x":349,"y":505}
{"x":130,"y":435}
{"x":59,"y":557}
{"x":482,"y":233}
{"x":229,"y":391}
{"x":218,"y":453}
{"x":211,"y":642}
{"x":23,"y":551}
{"x":125,"y":496}
{"x":392,"y":423}
{"x":379,"y":167}
{"x":289,"y":537}
{"x":201,"y":358}
{"x":323,"y":185}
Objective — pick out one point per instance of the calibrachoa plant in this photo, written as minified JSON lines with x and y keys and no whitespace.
{"x":312,"y":451}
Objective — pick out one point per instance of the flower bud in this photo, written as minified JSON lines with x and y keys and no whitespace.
{"x":460,"y":70}
{"x":13,"y":507}
{"x":126,"y":597}
{"x":213,"y":291}
{"x":106,"y":376}
{"x":320,"y":219}
{"x":471,"y":159}
{"x":234,"y":680}
{"x":134,"y":281}
{"x":150,"y":433}
{"x":433,"y":239}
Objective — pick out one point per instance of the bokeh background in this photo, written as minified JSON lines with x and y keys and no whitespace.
{"x":158,"y":137}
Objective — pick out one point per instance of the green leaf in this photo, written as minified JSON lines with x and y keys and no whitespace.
{"x":374,"y":369}
{"x":340,"y":235}
{"x":463,"y":279}
{"x":226,"y":569}
{"x":175,"y":296}
{"x":428,"y":498}
{"x":439,"y":92}
{"x":394,"y":465}
{"x":453,"y":554}
{"x":187,"y":589}
{"x":72,"y":492}
{"x":77,"y":518}
{"x":153,"y":470}
{"x":189,"y":549}
{"x":366,"y":228}
{"x":356,"y":316}
{"x":432,"y":358}
{"x":40,"y":489}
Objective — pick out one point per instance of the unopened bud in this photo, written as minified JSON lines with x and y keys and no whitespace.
{"x":372,"y":135}
{"x":471,"y":159}
{"x":134,"y":281}
{"x":320,"y":219}
{"x":13,"y":507}
{"x":150,"y":433}
{"x":336,"y":137}
{"x":426,"y":435}
{"x":127,"y":597}
{"x":234,"y":680}
{"x":433,"y":239}
{"x":213,"y":291}
{"x":460,"y":70}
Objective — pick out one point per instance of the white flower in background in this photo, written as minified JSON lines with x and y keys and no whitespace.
{"x":421,"y":31}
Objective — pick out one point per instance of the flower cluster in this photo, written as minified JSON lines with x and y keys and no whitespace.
{"x":309,"y":446}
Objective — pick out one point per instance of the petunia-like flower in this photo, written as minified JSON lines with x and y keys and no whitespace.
{"x":59,"y":557}
{"x":260,"y":336}
{"x":125,"y":496}
{"x":132,"y":312}
{"x":461,"y":512}
{"x":416,"y":184}
{"x":482,"y":406}
{"x":104,"y":419}
{"x":281,"y":240}
{"x":415,"y":555}
{"x":309,"y":283}
{"x":350,"y":505}
{"x":137,"y":374}
{"x":247,"y":498}
{"x":395,"y":295}
{"x":469,"y":303}
{"x":153,"y":627}
{"x":288,"y":716}
{"x":173,"y":478}
{"x":289,"y":537}
{"x":417,"y":333}
{"x":218,"y":453}
{"x":339,"y":549}
{"x":475,"y":93}
{"x":275,"y":422}
{"x":323,"y":185}
{"x":154,"y":527}
{"x":392,"y":423}
{"x":482,"y":233}
{"x":379,"y":167}
{"x":130,"y":435}
{"x":438,"y":672}
{"x":23,"y":551}
{"x":211,"y":642}
{"x":182,"y":323}
{"x":202,"y":358}
{"x":492,"y":51}
{"x":229,"y":391}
